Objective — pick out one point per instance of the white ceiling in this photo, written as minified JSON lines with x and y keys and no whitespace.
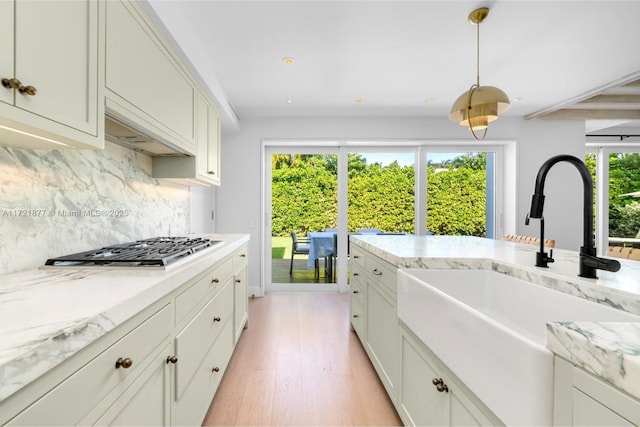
{"x":395,"y":54}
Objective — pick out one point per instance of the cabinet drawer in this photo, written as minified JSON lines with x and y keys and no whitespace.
{"x":72,"y":399}
{"x":188,"y":301}
{"x":382,"y":272}
{"x":357,"y":256}
{"x":192,"y":406}
{"x":240,"y":258}
{"x":193,"y":342}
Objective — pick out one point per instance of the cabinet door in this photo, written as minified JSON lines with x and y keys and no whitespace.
{"x":207,"y":138}
{"x":590,"y":412}
{"x":382,"y":336}
{"x":147,"y":402}
{"x":420,"y":402}
{"x":240,"y":301}
{"x":6,"y":47}
{"x":56,"y":46}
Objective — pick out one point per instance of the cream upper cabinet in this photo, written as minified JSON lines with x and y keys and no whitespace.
{"x":208,"y":155}
{"x":204,"y":167}
{"x":146,"y":85}
{"x":51,"y":81}
{"x":6,"y":47}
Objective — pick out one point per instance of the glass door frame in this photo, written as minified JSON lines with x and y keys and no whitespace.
{"x":603,"y":149}
{"x":342,"y":148}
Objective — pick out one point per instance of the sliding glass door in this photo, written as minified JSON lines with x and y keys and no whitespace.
{"x":317,"y":194}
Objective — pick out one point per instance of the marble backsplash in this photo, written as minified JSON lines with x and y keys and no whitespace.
{"x":59,"y":202}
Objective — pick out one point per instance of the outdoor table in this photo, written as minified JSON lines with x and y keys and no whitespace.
{"x":320,"y":246}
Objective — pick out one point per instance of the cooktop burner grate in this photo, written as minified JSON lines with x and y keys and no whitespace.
{"x":157,"y":251}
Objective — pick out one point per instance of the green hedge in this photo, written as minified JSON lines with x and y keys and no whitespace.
{"x":304,"y":195}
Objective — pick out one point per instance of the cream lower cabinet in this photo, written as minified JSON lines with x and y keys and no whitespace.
{"x":147,"y":402}
{"x":582,"y":399}
{"x":430,"y":395}
{"x":240,"y":292}
{"x":52,"y":85}
{"x":405,"y":366}
{"x":162,"y":367}
{"x":374,"y":314}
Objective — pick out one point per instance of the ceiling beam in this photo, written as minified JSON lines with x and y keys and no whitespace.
{"x":588,"y":114}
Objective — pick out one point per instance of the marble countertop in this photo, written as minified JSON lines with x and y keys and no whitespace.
{"x":50,"y":313}
{"x":608,"y":350}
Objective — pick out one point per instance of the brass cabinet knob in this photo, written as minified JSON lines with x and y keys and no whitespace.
{"x":243,"y":255}
{"x":172,"y":359}
{"x":11,"y":83}
{"x":356,"y":257}
{"x":238,"y":281}
{"x":29,"y":90}
{"x":440,"y":385}
{"x":215,"y":369}
{"x":215,"y":280}
{"x":356,"y":292}
{"x":355,"y":316}
{"x":377,"y":272}
{"x":211,"y":172}
{"x":124,"y":363}
{"x":356,"y":274}
{"x":216,"y":319}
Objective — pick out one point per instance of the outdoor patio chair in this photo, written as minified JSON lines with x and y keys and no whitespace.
{"x":300,"y":246}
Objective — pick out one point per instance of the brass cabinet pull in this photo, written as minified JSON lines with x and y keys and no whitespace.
{"x":356,"y":274}
{"x":124,"y":363}
{"x":172,"y":359}
{"x":216,"y":319}
{"x":11,"y":83}
{"x":215,"y":369}
{"x":356,"y":292}
{"x":243,"y":255}
{"x":376,"y":272}
{"x":211,"y":172}
{"x":440,"y":385}
{"x":356,"y":257}
{"x":215,"y":280}
{"x":238,"y":281}
{"x":355,"y":316}
{"x":29,"y":90}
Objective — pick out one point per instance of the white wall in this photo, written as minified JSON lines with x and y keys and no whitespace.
{"x":238,"y":199}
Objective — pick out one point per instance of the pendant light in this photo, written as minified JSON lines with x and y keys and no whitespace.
{"x":480,"y":104}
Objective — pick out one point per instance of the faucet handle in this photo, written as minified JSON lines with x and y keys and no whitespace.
{"x":550,"y":257}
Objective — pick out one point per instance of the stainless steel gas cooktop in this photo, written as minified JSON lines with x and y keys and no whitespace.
{"x":158,"y":252}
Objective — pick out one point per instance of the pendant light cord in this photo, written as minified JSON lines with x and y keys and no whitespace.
{"x":478,"y":55}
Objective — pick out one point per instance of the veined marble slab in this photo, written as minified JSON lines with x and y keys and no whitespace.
{"x":49,"y":314}
{"x":620,"y":290}
{"x":608,"y":350}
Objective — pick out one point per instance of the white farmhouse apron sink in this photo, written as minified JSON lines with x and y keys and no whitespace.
{"x":489,"y":329}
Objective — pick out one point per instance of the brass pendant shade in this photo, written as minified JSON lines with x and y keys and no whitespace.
{"x":480,"y":105}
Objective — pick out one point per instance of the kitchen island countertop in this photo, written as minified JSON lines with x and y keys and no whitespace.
{"x":608,"y":350}
{"x":49,"y":314}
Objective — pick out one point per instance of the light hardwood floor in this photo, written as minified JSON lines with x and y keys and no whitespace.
{"x":298,"y":363}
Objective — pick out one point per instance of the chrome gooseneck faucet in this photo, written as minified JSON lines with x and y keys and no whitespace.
{"x":589,"y":262}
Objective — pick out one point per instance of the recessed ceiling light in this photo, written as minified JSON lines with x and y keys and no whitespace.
{"x":428,"y":100}
{"x":289,"y":101}
{"x":516,"y":100}
{"x":288,"y":60}
{"x":358,"y":100}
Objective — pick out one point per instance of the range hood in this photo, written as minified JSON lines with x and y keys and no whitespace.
{"x":128,"y":136}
